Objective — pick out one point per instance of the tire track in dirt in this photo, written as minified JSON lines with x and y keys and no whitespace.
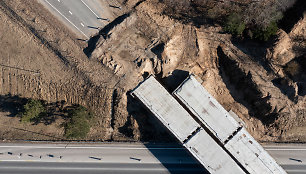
{"x":14,"y":16}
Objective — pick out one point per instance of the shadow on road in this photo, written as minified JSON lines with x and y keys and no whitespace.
{"x":176,"y":159}
{"x":137,"y":159}
{"x":95,"y":158}
{"x":92,"y":42}
{"x":293,"y":159}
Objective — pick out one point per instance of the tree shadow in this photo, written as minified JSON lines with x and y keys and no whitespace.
{"x":54,"y":111}
{"x":285,"y":88}
{"x":12,"y":104}
{"x":189,"y":13}
{"x":296,"y":68}
{"x":292,"y":15}
{"x":301,"y":88}
{"x":296,"y":71}
{"x":244,"y":90}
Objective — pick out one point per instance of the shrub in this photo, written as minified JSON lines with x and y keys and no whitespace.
{"x":265,"y":34}
{"x":292,"y":68}
{"x":78,"y":126}
{"x":33,"y":110}
{"x":234,"y":24}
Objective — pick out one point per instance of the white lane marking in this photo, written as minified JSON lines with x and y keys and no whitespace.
{"x":59,"y":0}
{"x":285,"y":149}
{"x":87,"y":147}
{"x":82,"y":24}
{"x":22,"y":161}
{"x":91,"y":168}
{"x":83,"y":161}
{"x":67,"y":19}
{"x":90,"y":9}
{"x":70,"y":12}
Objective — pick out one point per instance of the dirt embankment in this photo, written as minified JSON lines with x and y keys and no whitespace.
{"x":242,"y":78}
{"x":248,"y":78}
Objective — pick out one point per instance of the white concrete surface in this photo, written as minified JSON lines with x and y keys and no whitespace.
{"x":158,"y":100}
{"x":211,"y":155}
{"x":206,"y":108}
{"x":251,"y":155}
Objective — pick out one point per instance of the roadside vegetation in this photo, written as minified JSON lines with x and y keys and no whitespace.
{"x":77,"y":118}
{"x":251,"y":19}
{"x":33,"y":110}
{"x":78,"y":125}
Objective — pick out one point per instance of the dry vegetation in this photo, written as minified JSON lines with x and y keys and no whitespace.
{"x":41,"y":59}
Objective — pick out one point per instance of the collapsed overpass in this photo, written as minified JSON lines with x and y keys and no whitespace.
{"x":205,"y":128}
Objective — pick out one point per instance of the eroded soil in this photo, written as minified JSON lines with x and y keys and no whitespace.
{"x":44,"y":61}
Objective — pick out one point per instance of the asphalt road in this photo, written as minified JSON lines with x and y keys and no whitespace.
{"x":96,"y":158}
{"x":292,"y":157}
{"x":122,"y":158}
{"x":85,"y":17}
{"x":92,"y":168}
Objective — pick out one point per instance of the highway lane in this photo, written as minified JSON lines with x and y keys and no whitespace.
{"x":122,"y":153}
{"x":92,"y":168}
{"x":295,"y":169}
{"x":84,"y":17}
{"x":119,"y":157}
{"x":292,"y":157}
{"x":96,"y":158}
{"x":85,"y":14}
{"x":287,"y":153}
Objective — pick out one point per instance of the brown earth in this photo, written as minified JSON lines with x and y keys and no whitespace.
{"x":44,"y":61}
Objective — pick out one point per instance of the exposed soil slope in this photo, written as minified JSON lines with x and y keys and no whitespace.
{"x":46,"y":61}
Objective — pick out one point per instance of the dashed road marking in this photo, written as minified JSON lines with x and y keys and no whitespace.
{"x":67,"y":19}
{"x":70,"y":12}
{"x":82,"y":24}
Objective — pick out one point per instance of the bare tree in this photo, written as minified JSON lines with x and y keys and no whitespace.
{"x":259,"y":13}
